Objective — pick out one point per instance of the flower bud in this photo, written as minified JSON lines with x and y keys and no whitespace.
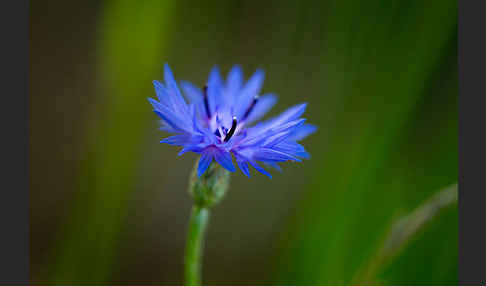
{"x":210,"y":188}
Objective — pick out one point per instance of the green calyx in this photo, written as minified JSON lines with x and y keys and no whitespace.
{"x":210,"y":188}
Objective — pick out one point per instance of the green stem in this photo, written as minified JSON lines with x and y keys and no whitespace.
{"x":206,"y":191}
{"x":194,"y":245}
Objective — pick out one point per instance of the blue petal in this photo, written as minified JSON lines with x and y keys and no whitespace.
{"x":303,"y":131}
{"x":170,"y":117}
{"x":215,"y":85}
{"x":270,"y":134}
{"x":168,"y":76}
{"x":177,"y":140}
{"x":234,"y":82}
{"x":275,"y":139}
{"x":192,"y":92}
{"x":172,"y":124}
{"x":304,"y":154}
{"x":194,"y":149}
{"x":244,"y":167}
{"x":165,"y":128}
{"x":289,"y":126}
{"x":249,"y":91}
{"x":292,"y":148}
{"x":224,"y":159}
{"x":289,"y":146}
{"x":282,"y":132}
{"x":183,"y":139}
{"x":204,"y":161}
{"x":274,"y":165}
{"x":195,"y":97}
{"x":162,"y":93}
{"x":171,"y":83}
{"x":168,"y":98}
{"x":281,"y":123}
{"x":267,"y":154}
{"x":170,"y":94}
{"x":254,"y":84}
{"x":260,"y":169}
{"x":263,"y":105}
{"x":290,"y":114}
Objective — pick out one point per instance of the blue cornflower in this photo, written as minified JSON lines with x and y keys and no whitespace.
{"x":220,"y":120}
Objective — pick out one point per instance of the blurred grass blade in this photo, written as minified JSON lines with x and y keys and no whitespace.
{"x":132,"y":41}
{"x":403,"y":230}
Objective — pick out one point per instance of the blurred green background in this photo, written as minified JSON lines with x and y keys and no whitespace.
{"x":109,"y":204}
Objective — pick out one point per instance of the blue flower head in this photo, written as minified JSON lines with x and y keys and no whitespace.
{"x":220,"y":120}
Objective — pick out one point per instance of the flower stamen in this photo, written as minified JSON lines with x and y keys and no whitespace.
{"x":250,"y":108}
{"x":232,"y":130}
{"x":206,"y":102}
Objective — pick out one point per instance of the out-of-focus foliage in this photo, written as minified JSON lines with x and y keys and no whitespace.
{"x":132,"y":36}
{"x":109,"y":205}
{"x":381,"y":157}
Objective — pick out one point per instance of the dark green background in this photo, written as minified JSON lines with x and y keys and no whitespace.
{"x":109,"y":204}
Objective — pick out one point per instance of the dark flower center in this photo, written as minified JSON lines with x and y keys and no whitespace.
{"x":232,"y":130}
